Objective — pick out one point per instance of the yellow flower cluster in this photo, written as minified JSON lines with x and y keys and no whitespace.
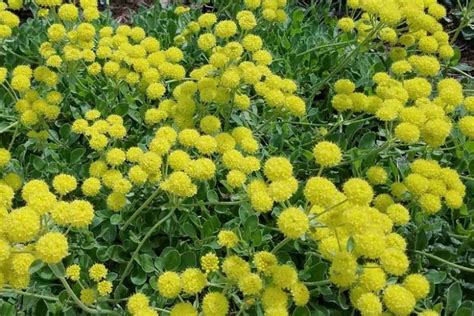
{"x":25,"y":232}
{"x":271,"y":283}
{"x":139,"y":304}
{"x":431,"y":185}
{"x":408,"y":103}
{"x":406,"y":95}
{"x":333,"y":220}
{"x":24,"y":237}
{"x":100,"y":132}
{"x":236,"y":65}
{"x":280,"y":187}
{"x":32,"y":109}
{"x":97,"y":274}
{"x":8,"y":20}
{"x":126,"y":54}
{"x":169,"y":154}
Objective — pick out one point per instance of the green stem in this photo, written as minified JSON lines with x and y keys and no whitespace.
{"x":303,"y":123}
{"x":6,"y":86}
{"x":15,"y":134}
{"x":161,"y":310}
{"x":213,"y":203}
{"x":141,"y":208}
{"x":464,"y":21}
{"x":462,"y":72}
{"x":324,"y":282}
{"x":56,"y":271}
{"x":126,"y":272}
{"x":44,"y":297}
{"x":8,"y":127}
{"x":320,"y":172}
{"x":332,"y":207}
{"x":280,"y":245}
{"x":347,"y":43}
{"x":339,"y":66}
{"x":449,"y":263}
{"x":388,"y":144}
{"x":467,"y":178}
{"x":29,"y":61}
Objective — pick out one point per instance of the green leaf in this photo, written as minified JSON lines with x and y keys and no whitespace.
{"x":146,"y":262}
{"x":454,"y":298}
{"x":36,"y":266}
{"x":350,"y":244}
{"x":189,"y":230}
{"x":172,"y":260}
{"x":251,"y":223}
{"x":421,"y":239}
{"x":7,"y":309}
{"x":64,"y":131}
{"x":115,"y":219}
{"x":121,"y":109}
{"x":76,"y":155}
{"x":436,"y":277}
{"x":464,"y":311}
{"x":188,"y":260}
{"x":138,"y":276}
{"x":58,"y":270}
{"x":301,"y":311}
{"x":367,"y":141}
{"x":38,"y":163}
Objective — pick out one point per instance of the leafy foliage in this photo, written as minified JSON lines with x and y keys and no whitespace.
{"x":157,"y":231}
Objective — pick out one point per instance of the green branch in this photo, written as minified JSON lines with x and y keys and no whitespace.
{"x":128,"y":268}
{"x":449,"y":263}
{"x":44,"y":297}
{"x":141,"y":208}
{"x":281,"y":244}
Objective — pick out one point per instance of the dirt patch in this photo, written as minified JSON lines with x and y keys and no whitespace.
{"x":122,"y":10}
{"x":467,"y":52}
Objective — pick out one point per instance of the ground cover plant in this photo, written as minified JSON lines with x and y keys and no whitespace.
{"x":255,"y":157}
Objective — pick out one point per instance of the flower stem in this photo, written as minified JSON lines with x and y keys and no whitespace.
{"x":15,"y":134}
{"x":212,"y":203}
{"x":8,"y":127}
{"x":464,"y":22}
{"x":449,"y":263}
{"x":141,"y":208}
{"x":44,"y":297}
{"x":324,"y":282}
{"x":70,"y":292}
{"x":280,"y":245}
{"x":128,"y":268}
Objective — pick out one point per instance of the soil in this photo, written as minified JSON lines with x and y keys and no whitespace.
{"x":122,"y":9}
{"x":467,"y":53}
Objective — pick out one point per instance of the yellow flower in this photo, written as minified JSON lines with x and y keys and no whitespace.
{"x":64,"y":183}
{"x":88,"y":296}
{"x":169,"y":284}
{"x":215,"y":304}
{"x":73,"y":272}
{"x":104,"y":288}
{"x":293,"y":223}
{"x":398,"y":300}
{"x":98,"y":272}
{"x":418,"y":285}
{"x":210,"y":262}
{"x":52,"y":247}
{"x":193,"y":281}
{"x":227,"y":239}
{"x":327,"y":154}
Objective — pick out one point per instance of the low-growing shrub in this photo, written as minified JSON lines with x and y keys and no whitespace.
{"x":239,"y":159}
